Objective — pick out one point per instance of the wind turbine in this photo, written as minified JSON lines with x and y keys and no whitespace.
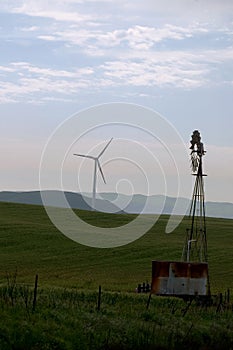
{"x":96,"y":165}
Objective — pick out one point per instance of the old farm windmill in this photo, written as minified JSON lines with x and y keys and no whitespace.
{"x":190,"y":276}
{"x":195,"y":248}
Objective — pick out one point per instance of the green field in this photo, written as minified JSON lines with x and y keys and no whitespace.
{"x":66,"y":316}
{"x":31,"y":245}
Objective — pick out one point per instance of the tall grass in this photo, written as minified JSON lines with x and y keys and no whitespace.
{"x":69,"y":319}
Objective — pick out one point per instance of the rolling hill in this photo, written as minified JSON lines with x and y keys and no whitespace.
{"x":31,"y":244}
{"x":116,"y":203}
{"x":74,"y":200}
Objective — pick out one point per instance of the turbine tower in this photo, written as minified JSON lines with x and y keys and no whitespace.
{"x":96,"y":166}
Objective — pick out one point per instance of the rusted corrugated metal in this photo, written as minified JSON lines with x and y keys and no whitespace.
{"x":179,"y":278}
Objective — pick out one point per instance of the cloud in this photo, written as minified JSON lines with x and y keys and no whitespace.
{"x":177,"y":69}
{"x":30,"y":29}
{"x":96,"y":32}
{"x":121,"y":53}
{"x":177,"y":8}
{"x":162,"y":69}
{"x":31,"y":81}
{"x":47,"y":37}
{"x":213,"y":12}
{"x":135,"y":37}
{"x":6,"y":69}
{"x":64,"y":11}
{"x":157,"y":73}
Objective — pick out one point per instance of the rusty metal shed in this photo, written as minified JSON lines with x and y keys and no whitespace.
{"x":179,"y":278}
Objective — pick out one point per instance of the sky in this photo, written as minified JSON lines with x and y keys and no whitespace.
{"x":174,"y":57}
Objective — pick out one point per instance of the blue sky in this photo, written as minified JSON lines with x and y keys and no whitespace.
{"x":59,"y":57}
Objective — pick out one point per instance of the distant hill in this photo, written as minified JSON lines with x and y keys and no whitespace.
{"x":149,"y":205}
{"x":74,"y":200}
{"x":164,"y":205}
{"x":119,"y":203}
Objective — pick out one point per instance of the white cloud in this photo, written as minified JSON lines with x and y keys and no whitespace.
{"x":24,"y":66}
{"x":146,"y":37}
{"x":213,"y":12}
{"x":130,"y":56}
{"x":47,"y":37}
{"x":178,"y":8}
{"x":64,"y":11}
{"x":135,"y":37}
{"x":154,"y":73}
{"x":30,"y":29}
{"x":31,"y":81}
{"x":164,"y":69}
{"x":6,"y":69}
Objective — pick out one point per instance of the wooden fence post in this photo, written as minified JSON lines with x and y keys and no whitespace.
{"x":148,"y":301}
{"x":99,"y":299}
{"x":220,"y":304}
{"x":35,"y":294}
{"x":228,"y":295}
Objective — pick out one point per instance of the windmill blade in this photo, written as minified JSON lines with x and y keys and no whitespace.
{"x":84,"y":156}
{"x":105,"y":148}
{"x":101,"y":171}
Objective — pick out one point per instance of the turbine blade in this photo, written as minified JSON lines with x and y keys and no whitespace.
{"x":84,"y":156}
{"x":101,"y":171}
{"x":105,"y":148}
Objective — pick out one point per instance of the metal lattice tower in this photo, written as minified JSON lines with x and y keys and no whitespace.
{"x":195,"y":247}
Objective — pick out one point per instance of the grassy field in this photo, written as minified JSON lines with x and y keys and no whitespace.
{"x":66,"y":315}
{"x":31,"y":244}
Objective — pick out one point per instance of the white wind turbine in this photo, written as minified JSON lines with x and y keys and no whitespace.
{"x":97,"y":164}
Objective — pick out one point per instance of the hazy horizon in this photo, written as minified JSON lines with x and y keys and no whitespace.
{"x":98,"y":195}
